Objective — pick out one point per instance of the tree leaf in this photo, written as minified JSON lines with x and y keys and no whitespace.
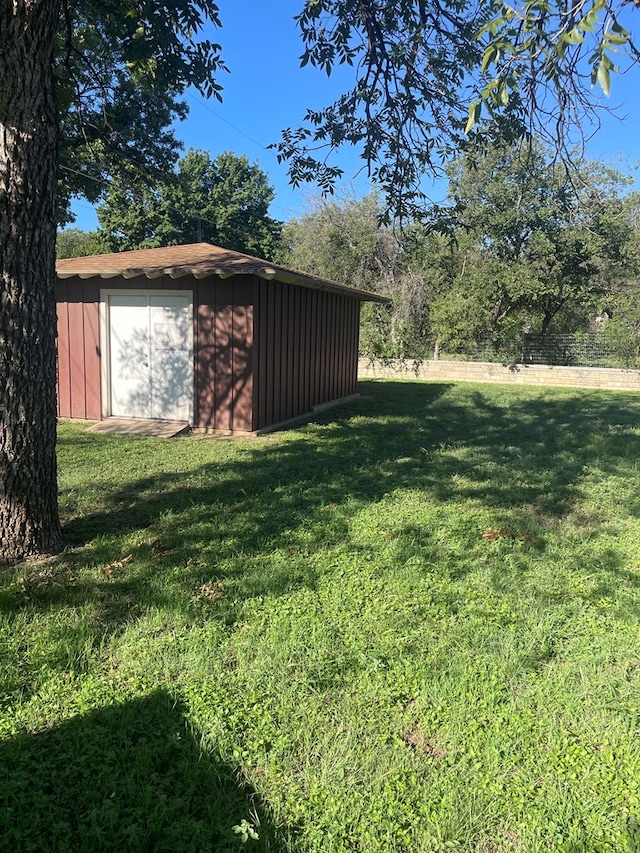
{"x":488,"y":57}
{"x":475,"y":108}
{"x":603,"y":76}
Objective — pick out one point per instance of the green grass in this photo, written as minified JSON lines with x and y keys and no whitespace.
{"x":411,"y":625}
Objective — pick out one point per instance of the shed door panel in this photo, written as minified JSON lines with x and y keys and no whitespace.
{"x":171,"y":336}
{"x":151,"y":345}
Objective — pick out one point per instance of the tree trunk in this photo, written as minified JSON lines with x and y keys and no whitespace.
{"x":29,"y":524}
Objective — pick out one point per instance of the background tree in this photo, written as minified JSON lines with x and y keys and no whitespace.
{"x":619,"y":317}
{"x":346,"y":241}
{"x":224,"y":200}
{"x":75,"y":243}
{"x":84,"y":86}
{"x":519,"y":247}
{"x":544,"y":247}
{"x":120,"y":68}
{"x":342,"y":240}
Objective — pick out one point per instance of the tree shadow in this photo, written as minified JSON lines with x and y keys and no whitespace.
{"x":132,"y":776}
{"x":206,"y":535}
{"x":203,"y":540}
{"x":528,"y":455}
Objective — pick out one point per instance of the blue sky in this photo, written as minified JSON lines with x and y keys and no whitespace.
{"x":266,"y":91}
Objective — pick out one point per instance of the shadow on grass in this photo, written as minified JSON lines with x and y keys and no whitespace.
{"x":128,"y":777}
{"x":521,"y":454}
{"x":529,"y":452}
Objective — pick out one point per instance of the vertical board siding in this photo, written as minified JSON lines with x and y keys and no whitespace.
{"x":297,"y":319}
{"x":78,"y":345}
{"x":204,"y":357}
{"x":291,"y":353}
{"x":305,"y":350}
{"x":318,"y":393}
{"x":277,"y":346}
{"x":76,"y":356}
{"x":92,"y":350}
{"x":224,"y":359}
{"x":261,"y":385}
{"x":342,"y":311}
{"x":343,"y":348}
{"x":338,"y":354}
{"x":356,"y":344}
{"x":324,"y":391}
{"x":348,"y":348}
{"x":223,"y":355}
{"x":316,"y":320}
{"x":242,"y":348}
{"x":63,"y":363}
{"x":268,"y":306}
{"x":264,"y":351}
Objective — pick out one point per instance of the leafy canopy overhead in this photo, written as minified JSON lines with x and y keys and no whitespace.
{"x":121,"y":66}
{"x":424,"y":73}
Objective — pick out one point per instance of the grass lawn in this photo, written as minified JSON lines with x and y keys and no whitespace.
{"x":411,"y":625}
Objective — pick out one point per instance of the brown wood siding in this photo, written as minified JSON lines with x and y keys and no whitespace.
{"x":78,"y":310}
{"x":223,"y":359}
{"x":305,"y":350}
{"x":242,"y":345}
{"x":261,"y":386}
{"x":204,"y":370}
{"x":264,"y":351}
{"x":223,"y":353}
{"x":63,"y":363}
{"x":291,"y":353}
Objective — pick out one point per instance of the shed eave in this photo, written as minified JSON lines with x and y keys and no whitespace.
{"x":321,"y":284}
{"x":268,"y":273}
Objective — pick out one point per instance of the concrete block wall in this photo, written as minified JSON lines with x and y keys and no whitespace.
{"x":603,"y":378}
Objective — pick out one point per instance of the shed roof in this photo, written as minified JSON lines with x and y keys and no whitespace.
{"x":199,"y":260}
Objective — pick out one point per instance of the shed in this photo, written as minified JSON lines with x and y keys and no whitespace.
{"x":202,"y":334}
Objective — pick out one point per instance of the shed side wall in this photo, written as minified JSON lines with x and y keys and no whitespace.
{"x":78,"y":311}
{"x":305,"y":350}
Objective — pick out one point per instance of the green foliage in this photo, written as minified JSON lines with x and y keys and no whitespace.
{"x":75,"y":243}
{"x":520,"y":246}
{"x":224,"y":201}
{"x":406,"y":107}
{"x":408,"y":625}
{"x":425,"y":74}
{"x":621,"y":330}
{"x":541,"y":53}
{"x":342,"y":241}
{"x":120,"y":70}
{"x":536,"y":249}
{"x":347,"y":242}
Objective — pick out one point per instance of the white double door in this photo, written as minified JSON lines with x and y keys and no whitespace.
{"x":150,"y":355}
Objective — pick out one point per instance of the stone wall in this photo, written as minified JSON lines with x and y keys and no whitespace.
{"x":604,"y":378}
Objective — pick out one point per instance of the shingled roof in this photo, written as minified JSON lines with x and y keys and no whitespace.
{"x":199,"y":260}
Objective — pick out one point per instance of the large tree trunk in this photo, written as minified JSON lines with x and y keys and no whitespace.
{"x":29,"y":524}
